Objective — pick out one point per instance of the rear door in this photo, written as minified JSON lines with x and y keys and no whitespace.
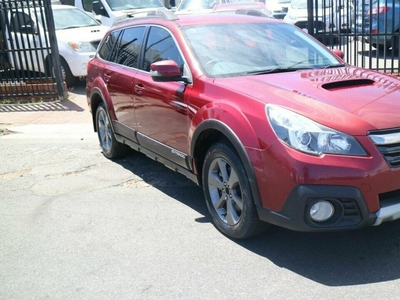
{"x":119,"y":75}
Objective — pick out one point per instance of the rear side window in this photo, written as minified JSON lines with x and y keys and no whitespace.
{"x":109,"y":45}
{"x":129,"y":48}
{"x":161,"y":46}
{"x":123,"y":46}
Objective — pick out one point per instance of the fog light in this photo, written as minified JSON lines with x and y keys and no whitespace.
{"x":321,"y":211}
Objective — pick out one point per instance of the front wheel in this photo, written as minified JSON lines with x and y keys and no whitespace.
{"x":228,"y":194}
{"x":110,"y":146}
{"x":69,"y":79}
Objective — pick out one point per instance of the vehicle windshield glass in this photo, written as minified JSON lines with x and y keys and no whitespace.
{"x":237,"y":49}
{"x":72,"y":18}
{"x":302,"y":4}
{"x":117,"y":5}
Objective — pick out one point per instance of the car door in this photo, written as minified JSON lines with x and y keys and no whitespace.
{"x":119,"y":76}
{"x":160,"y":109}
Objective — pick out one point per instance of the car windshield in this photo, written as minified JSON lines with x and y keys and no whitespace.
{"x":117,"y":5}
{"x":238,"y":49}
{"x":72,"y":18}
{"x":302,"y":4}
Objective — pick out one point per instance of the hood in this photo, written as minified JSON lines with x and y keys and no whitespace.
{"x":339,"y":98}
{"x":82,"y":34}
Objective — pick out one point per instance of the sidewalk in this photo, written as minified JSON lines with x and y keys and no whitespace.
{"x":72,"y":111}
{"x":66,"y":118}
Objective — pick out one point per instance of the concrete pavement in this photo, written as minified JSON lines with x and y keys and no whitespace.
{"x":74,"y":110}
{"x":24,"y":117}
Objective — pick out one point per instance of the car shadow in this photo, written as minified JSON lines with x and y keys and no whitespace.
{"x":343,"y":258}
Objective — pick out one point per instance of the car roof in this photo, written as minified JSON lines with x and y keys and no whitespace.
{"x":198,"y":19}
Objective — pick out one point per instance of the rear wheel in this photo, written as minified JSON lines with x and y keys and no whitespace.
{"x":110,"y":146}
{"x":228,"y":194}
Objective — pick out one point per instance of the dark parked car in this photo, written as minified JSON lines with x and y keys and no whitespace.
{"x":385,"y":24}
{"x":360,"y":16}
{"x":378,"y":22}
{"x":275,"y":127}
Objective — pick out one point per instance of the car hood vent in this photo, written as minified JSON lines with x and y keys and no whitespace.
{"x":347,"y":83}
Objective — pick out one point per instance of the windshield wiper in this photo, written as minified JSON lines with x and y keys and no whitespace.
{"x":276,"y":70}
{"x":333,"y":66}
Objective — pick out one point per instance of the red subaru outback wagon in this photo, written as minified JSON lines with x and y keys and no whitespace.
{"x":276,"y":128}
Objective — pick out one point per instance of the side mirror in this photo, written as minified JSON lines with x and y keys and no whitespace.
{"x":166,"y":70}
{"x":28,"y":29}
{"x":98,"y":8}
{"x":339,"y":53}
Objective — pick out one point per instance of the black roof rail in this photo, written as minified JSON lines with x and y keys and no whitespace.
{"x":163,"y":14}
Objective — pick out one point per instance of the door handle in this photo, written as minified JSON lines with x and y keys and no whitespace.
{"x":139,"y":88}
{"x":107,"y":77}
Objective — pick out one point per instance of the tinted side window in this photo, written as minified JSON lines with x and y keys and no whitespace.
{"x":161,"y":46}
{"x":130,"y":45}
{"x":106,"y":49}
{"x":19,"y":20}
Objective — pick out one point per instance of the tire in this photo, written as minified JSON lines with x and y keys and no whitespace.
{"x":110,"y":146}
{"x":69,"y":79}
{"x":396,"y":46}
{"x":380,"y":47}
{"x":228,"y":195}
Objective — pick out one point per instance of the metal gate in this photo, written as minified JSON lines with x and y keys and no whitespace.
{"x":29,"y":62}
{"x":367,"y":31}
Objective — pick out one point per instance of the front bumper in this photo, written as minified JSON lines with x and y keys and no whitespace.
{"x":350,"y":213}
{"x":77,"y":62}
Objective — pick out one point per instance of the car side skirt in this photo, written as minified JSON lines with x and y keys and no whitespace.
{"x":169,"y":157}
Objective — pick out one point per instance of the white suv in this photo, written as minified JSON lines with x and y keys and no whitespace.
{"x":78,"y":36}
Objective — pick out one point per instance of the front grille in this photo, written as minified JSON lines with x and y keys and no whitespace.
{"x":388,"y":144}
{"x":350,"y":209}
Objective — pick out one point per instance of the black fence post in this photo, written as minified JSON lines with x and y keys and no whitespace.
{"x":54,"y":50}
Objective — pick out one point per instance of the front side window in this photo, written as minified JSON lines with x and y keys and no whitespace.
{"x":19,"y":21}
{"x":161,"y":46}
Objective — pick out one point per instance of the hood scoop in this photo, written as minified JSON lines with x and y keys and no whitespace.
{"x":347,"y":84}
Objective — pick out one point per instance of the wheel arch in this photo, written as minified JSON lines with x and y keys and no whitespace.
{"x":99,"y":95}
{"x":208,"y":133}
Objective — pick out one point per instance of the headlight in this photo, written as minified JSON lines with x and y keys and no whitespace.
{"x":82,"y":46}
{"x":308,"y":136}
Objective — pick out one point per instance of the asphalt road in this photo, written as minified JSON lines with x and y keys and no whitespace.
{"x":75,"y":225}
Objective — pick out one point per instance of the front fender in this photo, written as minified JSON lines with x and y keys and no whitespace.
{"x":232,"y":120}
{"x":235,"y":127}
